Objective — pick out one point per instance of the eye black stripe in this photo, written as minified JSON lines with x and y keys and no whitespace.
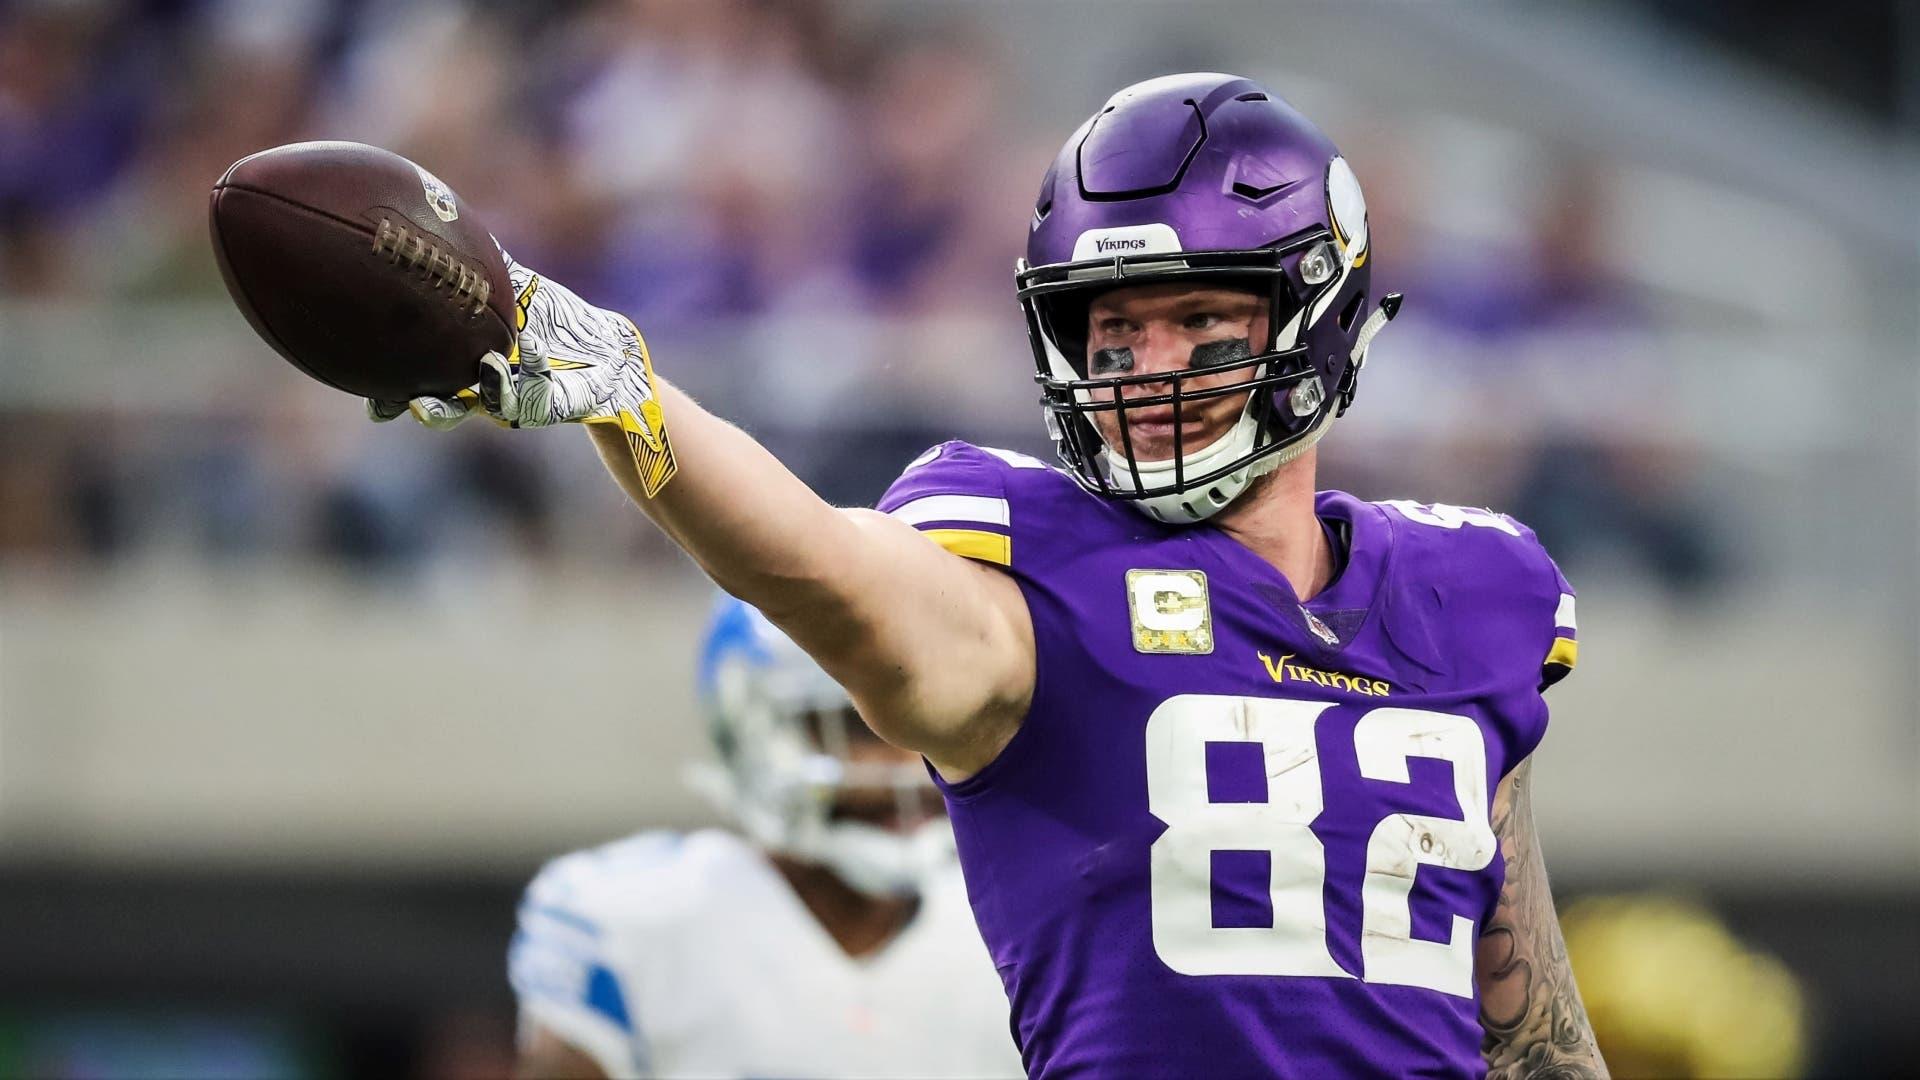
{"x":1215,"y":353}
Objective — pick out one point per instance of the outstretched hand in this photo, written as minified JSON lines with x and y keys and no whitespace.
{"x":571,"y":363}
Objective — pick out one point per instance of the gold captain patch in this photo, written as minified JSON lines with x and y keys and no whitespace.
{"x":1170,"y":611}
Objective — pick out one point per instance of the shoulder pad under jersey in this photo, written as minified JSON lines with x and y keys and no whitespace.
{"x":968,"y":498}
{"x":1496,"y":556}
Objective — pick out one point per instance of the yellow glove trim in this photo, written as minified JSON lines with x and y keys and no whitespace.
{"x":524,"y":301}
{"x":646,"y":433}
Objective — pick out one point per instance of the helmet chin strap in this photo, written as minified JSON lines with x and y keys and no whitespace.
{"x":1199,"y":504}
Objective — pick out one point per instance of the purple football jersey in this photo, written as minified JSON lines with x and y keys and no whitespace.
{"x":1237,"y":835}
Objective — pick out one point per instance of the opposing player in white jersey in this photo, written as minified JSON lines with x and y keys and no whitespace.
{"x":829,"y":937}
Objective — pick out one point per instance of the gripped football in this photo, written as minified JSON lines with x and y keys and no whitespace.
{"x":361,"y":268}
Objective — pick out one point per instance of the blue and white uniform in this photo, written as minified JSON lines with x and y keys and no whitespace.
{"x":690,"y":956}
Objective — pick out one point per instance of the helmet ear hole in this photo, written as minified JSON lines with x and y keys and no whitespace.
{"x":1351,"y":312}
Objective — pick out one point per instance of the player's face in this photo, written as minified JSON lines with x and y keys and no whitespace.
{"x":1151,"y":329}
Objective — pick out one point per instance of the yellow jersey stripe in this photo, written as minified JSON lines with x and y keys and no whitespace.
{"x":1564,"y":652}
{"x":974,"y":544}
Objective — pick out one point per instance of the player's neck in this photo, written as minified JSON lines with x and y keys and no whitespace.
{"x":860,"y":923}
{"x":1275,"y":520}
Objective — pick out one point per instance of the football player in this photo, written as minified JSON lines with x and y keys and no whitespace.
{"x":1237,"y":768}
{"x":829,"y":937}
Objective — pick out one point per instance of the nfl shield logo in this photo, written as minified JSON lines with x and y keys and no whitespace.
{"x":439,"y":195}
{"x":1320,"y":630}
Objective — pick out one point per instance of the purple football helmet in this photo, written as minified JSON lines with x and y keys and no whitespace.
{"x":1209,"y":179}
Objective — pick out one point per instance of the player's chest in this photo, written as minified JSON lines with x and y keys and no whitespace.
{"x":1189,"y":690}
{"x":1284,"y":826}
{"x":1127,"y":627}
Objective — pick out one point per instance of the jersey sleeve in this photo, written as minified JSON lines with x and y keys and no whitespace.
{"x":565,"y":967}
{"x":1548,"y":603}
{"x":1564,"y":651}
{"x":1560,"y":645}
{"x":956,"y":495}
{"x":1534,"y":601}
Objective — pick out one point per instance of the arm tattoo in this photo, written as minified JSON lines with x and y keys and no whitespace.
{"x":1535,"y":1025}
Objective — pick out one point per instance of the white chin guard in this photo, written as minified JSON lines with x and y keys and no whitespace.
{"x":1202,"y":502}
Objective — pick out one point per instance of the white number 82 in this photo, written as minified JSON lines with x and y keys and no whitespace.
{"x":1296,"y":944}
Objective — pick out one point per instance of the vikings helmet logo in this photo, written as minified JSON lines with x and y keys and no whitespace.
{"x":1347,"y":210}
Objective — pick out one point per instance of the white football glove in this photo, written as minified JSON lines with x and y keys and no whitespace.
{"x":572,"y":363}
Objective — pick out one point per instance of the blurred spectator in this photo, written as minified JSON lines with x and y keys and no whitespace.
{"x":1560,"y":280}
{"x":928,"y":155}
{"x":821,"y":200}
{"x":244,"y":85}
{"x":74,"y":97}
{"x":1554,"y":340}
{"x":701,"y":150}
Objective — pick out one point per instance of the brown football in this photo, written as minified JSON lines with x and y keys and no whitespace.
{"x":361,"y":268}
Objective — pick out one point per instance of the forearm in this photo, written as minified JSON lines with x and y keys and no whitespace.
{"x":753,"y":526}
{"x":936,"y":651}
{"x":1530,"y":1008}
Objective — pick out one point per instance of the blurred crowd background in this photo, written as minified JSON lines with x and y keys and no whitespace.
{"x":290,"y":704}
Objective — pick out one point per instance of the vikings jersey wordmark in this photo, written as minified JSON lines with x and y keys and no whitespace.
{"x":1239,"y":835}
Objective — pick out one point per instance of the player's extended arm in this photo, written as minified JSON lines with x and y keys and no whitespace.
{"x":544,"y":1055}
{"x":936,"y":650}
{"x":1529,"y":1006}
